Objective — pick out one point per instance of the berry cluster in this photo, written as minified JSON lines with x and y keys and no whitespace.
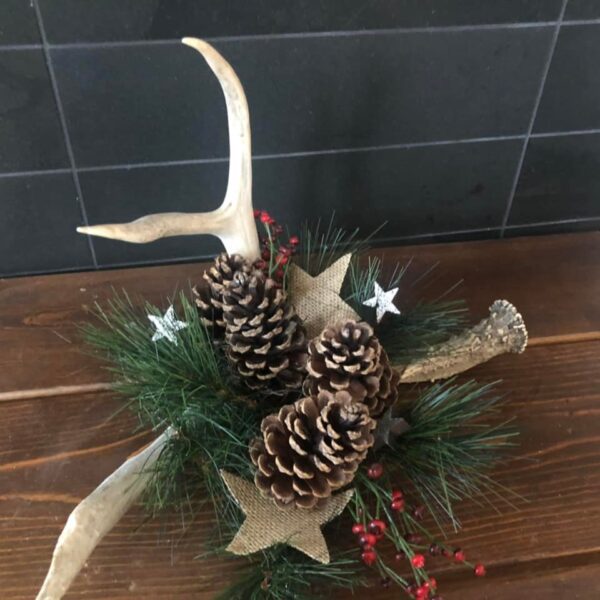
{"x":274,"y":255}
{"x":402,"y":520}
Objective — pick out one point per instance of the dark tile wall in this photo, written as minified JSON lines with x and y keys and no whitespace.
{"x":450,"y":119}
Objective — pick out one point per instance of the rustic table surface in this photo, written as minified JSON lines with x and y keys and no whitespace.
{"x":57,"y":443}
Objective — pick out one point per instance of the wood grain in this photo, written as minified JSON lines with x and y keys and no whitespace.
{"x":68,"y":444}
{"x":554,"y":281}
{"x":54,"y":450}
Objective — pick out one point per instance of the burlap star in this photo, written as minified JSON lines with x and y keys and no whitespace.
{"x":317,"y":299}
{"x":266,"y":524}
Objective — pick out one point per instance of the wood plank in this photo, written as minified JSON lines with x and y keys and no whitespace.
{"x":54,"y":451}
{"x":553,"y":280}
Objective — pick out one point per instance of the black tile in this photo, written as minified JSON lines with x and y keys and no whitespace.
{"x":550,"y":228}
{"x":428,"y":190}
{"x":571,"y":99}
{"x":559,"y":180}
{"x":37,"y":228}
{"x":17,"y":23}
{"x":30,"y":133}
{"x":112,"y":20}
{"x":157,"y":103}
{"x":582,"y":9}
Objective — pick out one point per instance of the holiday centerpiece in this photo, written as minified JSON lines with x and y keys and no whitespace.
{"x":277,"y":388}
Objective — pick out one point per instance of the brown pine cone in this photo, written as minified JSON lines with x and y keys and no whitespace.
{"x":349,"y":357}
{"x":209,"y":297}
{"x":266,"y":339}
{"x":311,"y":448}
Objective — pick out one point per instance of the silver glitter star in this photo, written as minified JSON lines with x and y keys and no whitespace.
{"x":382,"y":301}
{"x":167,"y":326}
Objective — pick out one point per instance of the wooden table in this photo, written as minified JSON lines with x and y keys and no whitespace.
{"x":57,"y":444}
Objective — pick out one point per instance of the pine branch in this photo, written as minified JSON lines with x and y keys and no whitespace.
{"x":451,"y":446}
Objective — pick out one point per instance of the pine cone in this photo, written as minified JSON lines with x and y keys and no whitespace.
{"x":349,"y":357}
{"x":209,"y":298}
{"x":311,"y":448}
{"x":267,"y":342}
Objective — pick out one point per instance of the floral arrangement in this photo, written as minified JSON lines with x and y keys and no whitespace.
{"x":277,"y":387}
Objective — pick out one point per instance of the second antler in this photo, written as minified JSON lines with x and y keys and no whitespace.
{"x":503,"y":331}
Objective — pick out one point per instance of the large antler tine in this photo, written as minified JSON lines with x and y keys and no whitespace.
{"x":96,"y":515}
{"x":240,"y":227}
{"x":233,"y":222}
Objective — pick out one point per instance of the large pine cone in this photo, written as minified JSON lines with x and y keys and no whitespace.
{"x":209,"y":298}
{"x":266,"y":340}
{"x":349,"y":357}
{"x":311,"y":448}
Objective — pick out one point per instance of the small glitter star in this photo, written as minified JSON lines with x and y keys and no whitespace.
{"x":167,"y":326}
{"x":382,"y":301}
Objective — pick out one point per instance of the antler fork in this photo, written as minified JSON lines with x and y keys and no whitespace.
{"x":233,"y":222}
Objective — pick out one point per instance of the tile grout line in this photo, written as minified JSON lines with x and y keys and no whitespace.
{"x":206,"y":257}
{"x":306,"y":34}
{"x":306,"y":153}
{"x":536,"y":106}
{"x":63,"y":124}
{"x":309,"y":34}
{"x":300,"y":154}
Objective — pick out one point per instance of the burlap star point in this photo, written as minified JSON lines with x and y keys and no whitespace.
{"x":317,"y":299}
{"x":266,"y":524}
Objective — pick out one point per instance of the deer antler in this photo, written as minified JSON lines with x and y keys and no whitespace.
{"x":233,"y":222}
{"x":503,"y":331}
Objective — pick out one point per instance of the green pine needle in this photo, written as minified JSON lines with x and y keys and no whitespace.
{"x":451,"y":446}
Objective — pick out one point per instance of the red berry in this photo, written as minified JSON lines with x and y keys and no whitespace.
{"x":422,"y":593}
{"x":447,"y":553}
{"x":434,"y":550}
{"x":256,"y":213}
{"x":265,"y":217}
{"x":459,"y":555}
{"x":432,"y":583}
{"x":358,"y":528}
{"x":398,"y":504}
{"x":377,"y":527}
{"x":368,"y":557}
{"x":397,"y":495}
{"x":418,"y":561}
{"x":294,"y":240}
{"x":375,"y":471}
{"x":284,"y":250}
{"x":367,"y":539}
{"x":279,"y":273}
{"x":265,"y":255}
{"x":479,"y":570}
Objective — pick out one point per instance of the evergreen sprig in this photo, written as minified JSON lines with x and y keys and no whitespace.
{"x":451,"y":445}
